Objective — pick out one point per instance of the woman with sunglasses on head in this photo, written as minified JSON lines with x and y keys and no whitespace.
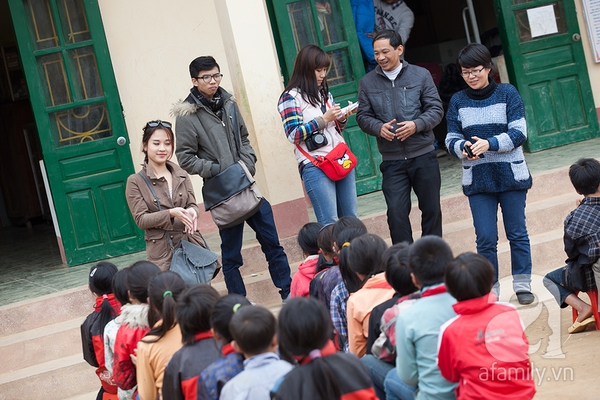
{"x":486,"y":129}
{"x":314,"y":123}
{"x":178,"y":214}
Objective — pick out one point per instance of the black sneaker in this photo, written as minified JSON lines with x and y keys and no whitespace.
{"x":525,"y":297}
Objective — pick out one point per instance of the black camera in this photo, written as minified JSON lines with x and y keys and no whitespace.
{"x":315,"y":141}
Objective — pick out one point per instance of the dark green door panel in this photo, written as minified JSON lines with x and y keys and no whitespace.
{"x":79,"y":119}
{"x":550,"y":72}
{"x":297,"y":23}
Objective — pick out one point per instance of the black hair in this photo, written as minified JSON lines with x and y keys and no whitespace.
{"x":147,"y":135}
{"x":585,"y":175}
{"x":253,"y":329}
{"x":428,"y":258}
{"x":325,"y":243}
{"x":307,"y":238}
{"x":397,"y":272}
{"x":309,"y":59}
{"x":100,"y":280}
{"x":193,"y":310}
{"x":344,"y":223}
{"x":351,"y":280}
{"x":138,"y":278}
{"x":365,"y":255}
{"x":223,"y":311}
{"x":304,"y":325}
{"x":119,"y":286}
{"x":390,"y":34}
{"x":203,"y":63}
{"x":163,"y":292}
{"x":469,"y":276}
{"x":474,"y":55}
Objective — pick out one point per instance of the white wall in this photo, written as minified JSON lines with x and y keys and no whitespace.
{"x":151,"y":44}
{"x":592,"y":66}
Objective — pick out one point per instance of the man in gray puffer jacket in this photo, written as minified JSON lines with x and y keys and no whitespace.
{"x":400,"y":105}
{"x":206,"y":145}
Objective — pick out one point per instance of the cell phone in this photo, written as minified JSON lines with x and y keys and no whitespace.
{"x":348,"y":109}
{"x":470,"y":152}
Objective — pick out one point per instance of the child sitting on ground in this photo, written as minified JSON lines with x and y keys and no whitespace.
{"x":307,"y":240}
{"x":200,"y":348}
{"x":382,"y":322}
{"x":484,"y":348}
{"x":582,"y":245}
{"x":366,"y":261}
{"x":305,"y":333}
{"x":418,"y":327}
{"x":253,"y":330}
{"x":326,"y":258}
{"x":106,"y":308}
{"x":332,"y":277}
{"x":349,"y":283}
{"x":217,"y":374}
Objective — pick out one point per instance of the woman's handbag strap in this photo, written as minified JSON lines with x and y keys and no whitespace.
{"x":160,"y":209}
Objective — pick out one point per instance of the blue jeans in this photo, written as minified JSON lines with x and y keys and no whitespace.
{"x":266,"y":233}
{"x":378,"y":369}
{"x":330,"y":199}
{"x":421,"y":174}
{"x":555,"y":285}
{"x":396,"y":389}
{"x":484,"y":208}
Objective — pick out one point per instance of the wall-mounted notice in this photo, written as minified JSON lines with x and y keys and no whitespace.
{"x":542,"y":21}
{"x":592,"y":18}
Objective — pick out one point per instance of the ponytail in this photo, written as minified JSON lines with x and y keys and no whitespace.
{"x":163,"y":292}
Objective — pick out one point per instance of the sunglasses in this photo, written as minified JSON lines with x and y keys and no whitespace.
{"x":154,"y":124}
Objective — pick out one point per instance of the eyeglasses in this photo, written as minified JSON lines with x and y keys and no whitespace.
{"x":474,"y":72}
{"x":154,"y":124}
{"x":208,"y":78}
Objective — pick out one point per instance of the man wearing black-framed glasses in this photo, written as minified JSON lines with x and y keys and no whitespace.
{"x":211,"y":136}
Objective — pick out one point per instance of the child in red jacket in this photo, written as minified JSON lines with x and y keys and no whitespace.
{"x":92,"y":329}
{"x":307,"y":240}
{"x":484,"y":348}
{"x":134,"y":325}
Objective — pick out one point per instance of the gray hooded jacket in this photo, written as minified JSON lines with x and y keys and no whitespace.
{"x":205,"y":144}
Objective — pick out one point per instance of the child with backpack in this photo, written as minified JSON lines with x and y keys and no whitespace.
{"x":106,"y":308}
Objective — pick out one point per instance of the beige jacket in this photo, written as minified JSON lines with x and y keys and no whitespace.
{"x":360,"y":304}
{"x":152,"y":359}
{"x":158,"y":224}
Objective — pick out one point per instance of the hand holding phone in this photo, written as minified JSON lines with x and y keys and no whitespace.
{"x":348,"y":109}
{"x":470,"y":152}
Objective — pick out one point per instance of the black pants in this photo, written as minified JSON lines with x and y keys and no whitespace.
{"x":422,"y":174}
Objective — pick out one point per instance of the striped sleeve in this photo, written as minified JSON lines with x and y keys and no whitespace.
{"x":293,"y":121}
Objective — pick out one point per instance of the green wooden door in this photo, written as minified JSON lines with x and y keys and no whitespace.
{"x":545,"y":61}
{"x":297,"y":23}
{"x":79,"y":119}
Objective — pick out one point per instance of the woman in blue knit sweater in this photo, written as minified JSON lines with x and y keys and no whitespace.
{"x":486,"y":129}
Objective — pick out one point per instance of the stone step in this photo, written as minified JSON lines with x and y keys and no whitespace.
{"x":48,"y":327}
